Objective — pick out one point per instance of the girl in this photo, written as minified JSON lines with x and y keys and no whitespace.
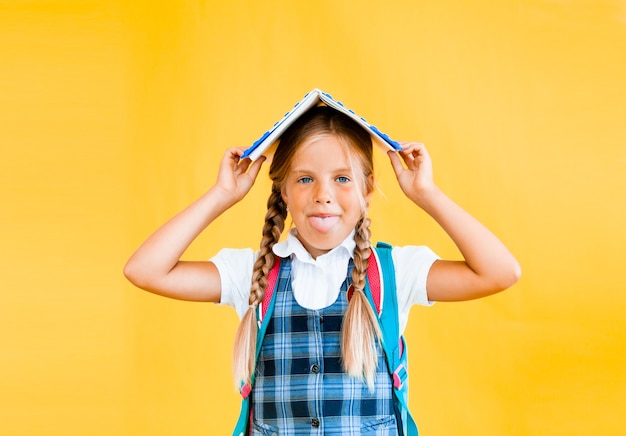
{"x":320,"y":369}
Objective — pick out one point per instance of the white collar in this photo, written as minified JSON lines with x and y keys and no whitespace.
{"x":293,"y":246}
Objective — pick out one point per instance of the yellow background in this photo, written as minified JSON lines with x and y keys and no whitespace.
{"x":114,"y":115}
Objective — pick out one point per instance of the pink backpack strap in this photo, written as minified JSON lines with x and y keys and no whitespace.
{"x":269,"y":289}
{"x":373,"y":277}
{"x":272,"y":277}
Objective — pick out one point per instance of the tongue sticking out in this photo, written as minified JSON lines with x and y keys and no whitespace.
{"x":323,"y":223}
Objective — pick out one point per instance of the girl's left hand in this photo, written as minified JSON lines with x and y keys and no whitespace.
{"x":416,"y":175}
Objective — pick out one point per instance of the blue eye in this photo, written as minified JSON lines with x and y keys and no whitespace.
{"x":343,"y":179}
{"x":305,"y":180}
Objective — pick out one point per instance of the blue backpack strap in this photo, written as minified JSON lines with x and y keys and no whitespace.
{"x":394,"y":345}
{"x":264,"y":313}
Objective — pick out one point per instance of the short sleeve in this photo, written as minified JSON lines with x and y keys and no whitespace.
{"x":412,"y":264}
{"x":235,"y":268}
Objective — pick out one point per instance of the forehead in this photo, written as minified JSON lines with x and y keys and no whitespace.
{"x":323,"y":150}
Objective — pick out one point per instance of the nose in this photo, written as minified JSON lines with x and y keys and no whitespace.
{"x":323,"y":193}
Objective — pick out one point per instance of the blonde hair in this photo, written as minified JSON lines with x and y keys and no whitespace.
{"x":360,"y":328}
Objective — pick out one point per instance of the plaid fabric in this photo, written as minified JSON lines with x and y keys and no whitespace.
{"x":300,"y":386}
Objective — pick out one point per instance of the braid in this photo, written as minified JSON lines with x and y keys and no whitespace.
{"x":272,"y":229}
{"x":245,"y":338}
{"x":360,"y":326}
{"x":361,"y":254}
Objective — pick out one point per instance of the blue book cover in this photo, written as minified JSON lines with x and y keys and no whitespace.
{"x":314,"y":98}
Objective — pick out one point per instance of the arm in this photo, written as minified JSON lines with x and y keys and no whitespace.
{"x":156,"y":265}
{"x":488,"y":266}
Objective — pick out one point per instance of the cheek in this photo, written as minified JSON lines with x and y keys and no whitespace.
{"x":293,"y":196}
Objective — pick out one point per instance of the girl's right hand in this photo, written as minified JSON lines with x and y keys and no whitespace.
{"x":157,"y":267}
{"x":236,"y":176}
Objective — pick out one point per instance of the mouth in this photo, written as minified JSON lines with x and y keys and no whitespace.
{"x":323,"y":223}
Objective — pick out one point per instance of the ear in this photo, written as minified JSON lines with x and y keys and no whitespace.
{"x":283,"y":194}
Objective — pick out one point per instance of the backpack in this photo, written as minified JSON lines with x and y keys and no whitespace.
{"x":380,"y":271}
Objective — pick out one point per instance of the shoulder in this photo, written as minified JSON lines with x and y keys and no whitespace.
{"x":412,"y":263}
{"x":235,"y":269}
{"x":411,"y":256}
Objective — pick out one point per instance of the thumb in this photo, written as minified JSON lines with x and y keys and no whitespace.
{"x":255,"y":167}
{"x":396,"y":163}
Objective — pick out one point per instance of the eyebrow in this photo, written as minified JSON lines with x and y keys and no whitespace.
{"x":312,"y":170}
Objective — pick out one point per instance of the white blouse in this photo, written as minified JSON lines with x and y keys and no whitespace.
{"x":316,"y":282}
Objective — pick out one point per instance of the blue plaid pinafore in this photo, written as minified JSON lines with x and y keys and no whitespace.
{"x":301,"y":387}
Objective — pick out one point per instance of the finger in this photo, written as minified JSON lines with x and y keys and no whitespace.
{"x":413,"y":154}
{"x":234,"y":152}
{"x":231,"y":157}
{"x":410,"y":148}
{"x":254,"y":169}
{"x":230,"y":160}
{"x":409,"y":144}
{"x":395,"y":162}
{"x":421,"y":154}
{"x":408,"y":156}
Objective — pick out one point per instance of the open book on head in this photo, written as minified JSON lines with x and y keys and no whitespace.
{"x":313,"y":98}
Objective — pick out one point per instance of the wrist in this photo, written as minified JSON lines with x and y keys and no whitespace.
{"x":222,"y":197}
{"x":427,"y":196}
